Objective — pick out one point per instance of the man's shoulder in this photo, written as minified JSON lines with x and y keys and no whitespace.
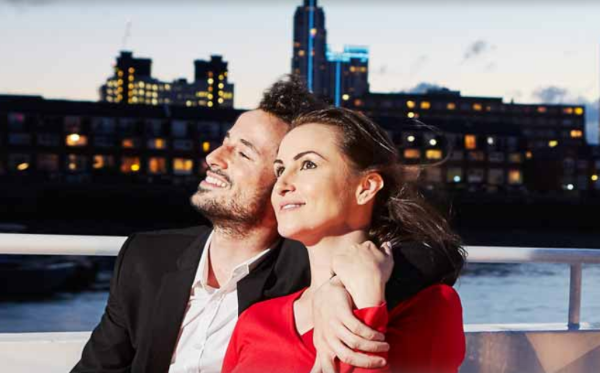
{"x":194,"y":231}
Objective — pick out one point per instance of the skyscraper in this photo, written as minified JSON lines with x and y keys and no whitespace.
{"x":310,"y":46}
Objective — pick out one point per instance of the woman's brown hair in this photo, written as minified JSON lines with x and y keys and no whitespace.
{"x":400,"y":214}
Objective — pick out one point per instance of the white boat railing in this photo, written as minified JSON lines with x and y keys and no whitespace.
{"x":44,"y":244}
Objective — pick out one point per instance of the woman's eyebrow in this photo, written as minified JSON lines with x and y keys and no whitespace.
{"x":302,"y":154}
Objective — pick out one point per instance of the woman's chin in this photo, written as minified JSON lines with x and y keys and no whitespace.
{"x":291,"y":232}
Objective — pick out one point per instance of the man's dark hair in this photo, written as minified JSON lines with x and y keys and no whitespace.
{"x":288,"y":98}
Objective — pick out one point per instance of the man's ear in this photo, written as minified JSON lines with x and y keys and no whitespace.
{"x":370,"y":184}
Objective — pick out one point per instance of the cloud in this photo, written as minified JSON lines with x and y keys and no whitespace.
{"x":477,"y":49}
{"x":425,"y":87}
{"x":551,"y":94}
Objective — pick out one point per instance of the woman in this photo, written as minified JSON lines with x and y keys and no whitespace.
{"x":338,"y":186}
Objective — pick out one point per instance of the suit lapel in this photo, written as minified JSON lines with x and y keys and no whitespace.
{"x":170,"y":306}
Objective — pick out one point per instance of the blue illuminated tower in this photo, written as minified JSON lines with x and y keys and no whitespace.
{"x":310,"y":41}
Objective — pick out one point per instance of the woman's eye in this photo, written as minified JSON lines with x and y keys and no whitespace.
{"x":278,"y":171}
{"x":307,"y":165}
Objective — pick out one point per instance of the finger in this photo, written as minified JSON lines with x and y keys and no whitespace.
{"x":387,"y":248}
{"x":358,"y":328}
{"x":357,"y":343}
{"x":317,"y":366}
{"x":356,"y":359}
{"x":327,"y":364}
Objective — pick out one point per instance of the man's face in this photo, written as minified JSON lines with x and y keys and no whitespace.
{"x":236,"y":191}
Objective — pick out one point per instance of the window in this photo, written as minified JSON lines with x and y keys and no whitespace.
{"x":153,"y":128}
{"x":104,"y":141}
{"x":433,"y":174}
{"x":47,"y":162}
{"x":456,"y":155}
{"x":515,"y":177}
{"x":451,"y":106}
{"x":103,"y":125}
{"x":157,"y":143}
{"x":477,"y":107}
{"x":76,"y":163}
{"x":157,"y":166}
{"x":103,"y":161}
{"x":183,"y":145}
{"x":48,"y":139}
{"x":19,"y":162}
{"x":130,"y":143}
{"x":425,"y":105}
{"x":475,"y":175}
{"x":16,"y":121}
{"x":209,"y":130}
{"x":434,"y":154}
{"x":515,"y":158}
{"x":476,"y":156}
{"x":576,"y":134}
{"x":179,"y":128}
{"x":470,"y":142}
{"x":19,"y":139}
{"x":495,"y":176}
{"x":412,"y":153}
{"x":454,"y":175}
{"x":130,"y":164}
{"x":73,"y":124}
{"x":76,"y":140}
{"x":182,"y":166}
{"x":496,"y":157}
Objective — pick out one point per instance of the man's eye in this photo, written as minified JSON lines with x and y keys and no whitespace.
{"x":279,"y":171}
{"x":307,"y":165}
{"x":244,"y":155}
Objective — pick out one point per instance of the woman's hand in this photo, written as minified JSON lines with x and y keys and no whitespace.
{"x":364,"y":269}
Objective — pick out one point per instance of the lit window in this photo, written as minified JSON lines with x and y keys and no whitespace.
{"x":433,"y":142}
{"x":363,"y":69}
{"x":470,"y":142}
{"x":412,"y":153}
{"x":221,"y":85}
{"x":75,"y":139}
{"x":188,"y":103}
{"x":433,"y":154}
{"x":410,"y":104}
{"x":345,"y":97}
{"x":579,"y":110}
{"x":313,"y":31}
{"x":410,"y":138}
{"x":210,"y":104}
{"x":221,"y":77}
{"x":157,"y":143}
{"x":576,"y":133}
{"x":529,"y":155}
{"x":120,"y":73}
{"x":220,"y":100}
{"x":352,"y":69}
{"x":477,"y":107}
{"x":451,"y":106}
{"x":206,"y":146}
{"x":130,"y":164}
{"x":425,"y":105}
{"x":22,"y":166}
{"x":76,"y":162}
{"x":541,"y":109}
{"x":182,"y":166}
{"x":490,"y":140}
{"x":515,"y":158}
{"x":157,"y":165}
{"x":410,"y":114}
{"x":301,"y":52}
{"x":515,"y":177}
{"x":454,"y":175}
{"x":568,"y":110}
{"x":594,"y":177}
{"x":552,"y":143}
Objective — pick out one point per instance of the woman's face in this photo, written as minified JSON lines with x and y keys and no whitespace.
{"x":314,"y":196}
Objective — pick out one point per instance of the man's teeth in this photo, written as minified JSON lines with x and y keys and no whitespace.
{"x":214,"y":181}
{"x":291,"y":206}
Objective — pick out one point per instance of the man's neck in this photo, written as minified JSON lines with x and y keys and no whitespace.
{"x":227,"y":251}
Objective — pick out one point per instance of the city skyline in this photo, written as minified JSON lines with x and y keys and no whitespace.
{"x":469,"y":48}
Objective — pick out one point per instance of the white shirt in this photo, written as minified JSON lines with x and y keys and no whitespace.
{"x":209,"y":319}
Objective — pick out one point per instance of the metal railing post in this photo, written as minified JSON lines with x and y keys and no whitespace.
{"x":575,"y":296}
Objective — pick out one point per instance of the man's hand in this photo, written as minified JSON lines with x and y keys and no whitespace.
{"x":364,"y":269}
{"x":337,"y":331}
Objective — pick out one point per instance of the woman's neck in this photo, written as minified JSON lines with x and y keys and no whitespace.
{"x":322,"y":253}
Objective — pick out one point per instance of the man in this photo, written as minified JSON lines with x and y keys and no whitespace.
{"x":175,"y":295}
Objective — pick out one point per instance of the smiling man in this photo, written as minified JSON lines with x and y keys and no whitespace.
{"x":176,"y":295}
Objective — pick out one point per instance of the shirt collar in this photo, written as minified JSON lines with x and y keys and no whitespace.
{"x":238,"y":273}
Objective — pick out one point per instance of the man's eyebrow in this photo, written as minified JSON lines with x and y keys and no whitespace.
{"x":245,"y":142}
{"x":250,"y":145}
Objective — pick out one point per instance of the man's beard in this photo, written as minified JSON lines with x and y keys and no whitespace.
{"x":234,"y":216}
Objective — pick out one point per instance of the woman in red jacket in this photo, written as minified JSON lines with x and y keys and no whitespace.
{"x":341,"y":192}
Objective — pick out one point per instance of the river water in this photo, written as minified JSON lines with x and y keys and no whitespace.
{"x":490,"y":293}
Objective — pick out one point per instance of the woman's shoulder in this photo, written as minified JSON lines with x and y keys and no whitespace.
{"x":434,"y":298}
{"x":269,"y":310}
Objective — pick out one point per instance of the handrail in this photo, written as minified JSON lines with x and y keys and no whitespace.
{"x":45,"y":244}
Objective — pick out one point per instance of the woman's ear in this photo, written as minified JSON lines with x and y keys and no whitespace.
{"x":370,"y":184}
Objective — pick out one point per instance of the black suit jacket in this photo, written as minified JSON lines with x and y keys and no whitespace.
{"x":151,"y":286}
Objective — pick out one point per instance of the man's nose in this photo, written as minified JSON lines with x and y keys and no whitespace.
{"x":218,"y":158}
